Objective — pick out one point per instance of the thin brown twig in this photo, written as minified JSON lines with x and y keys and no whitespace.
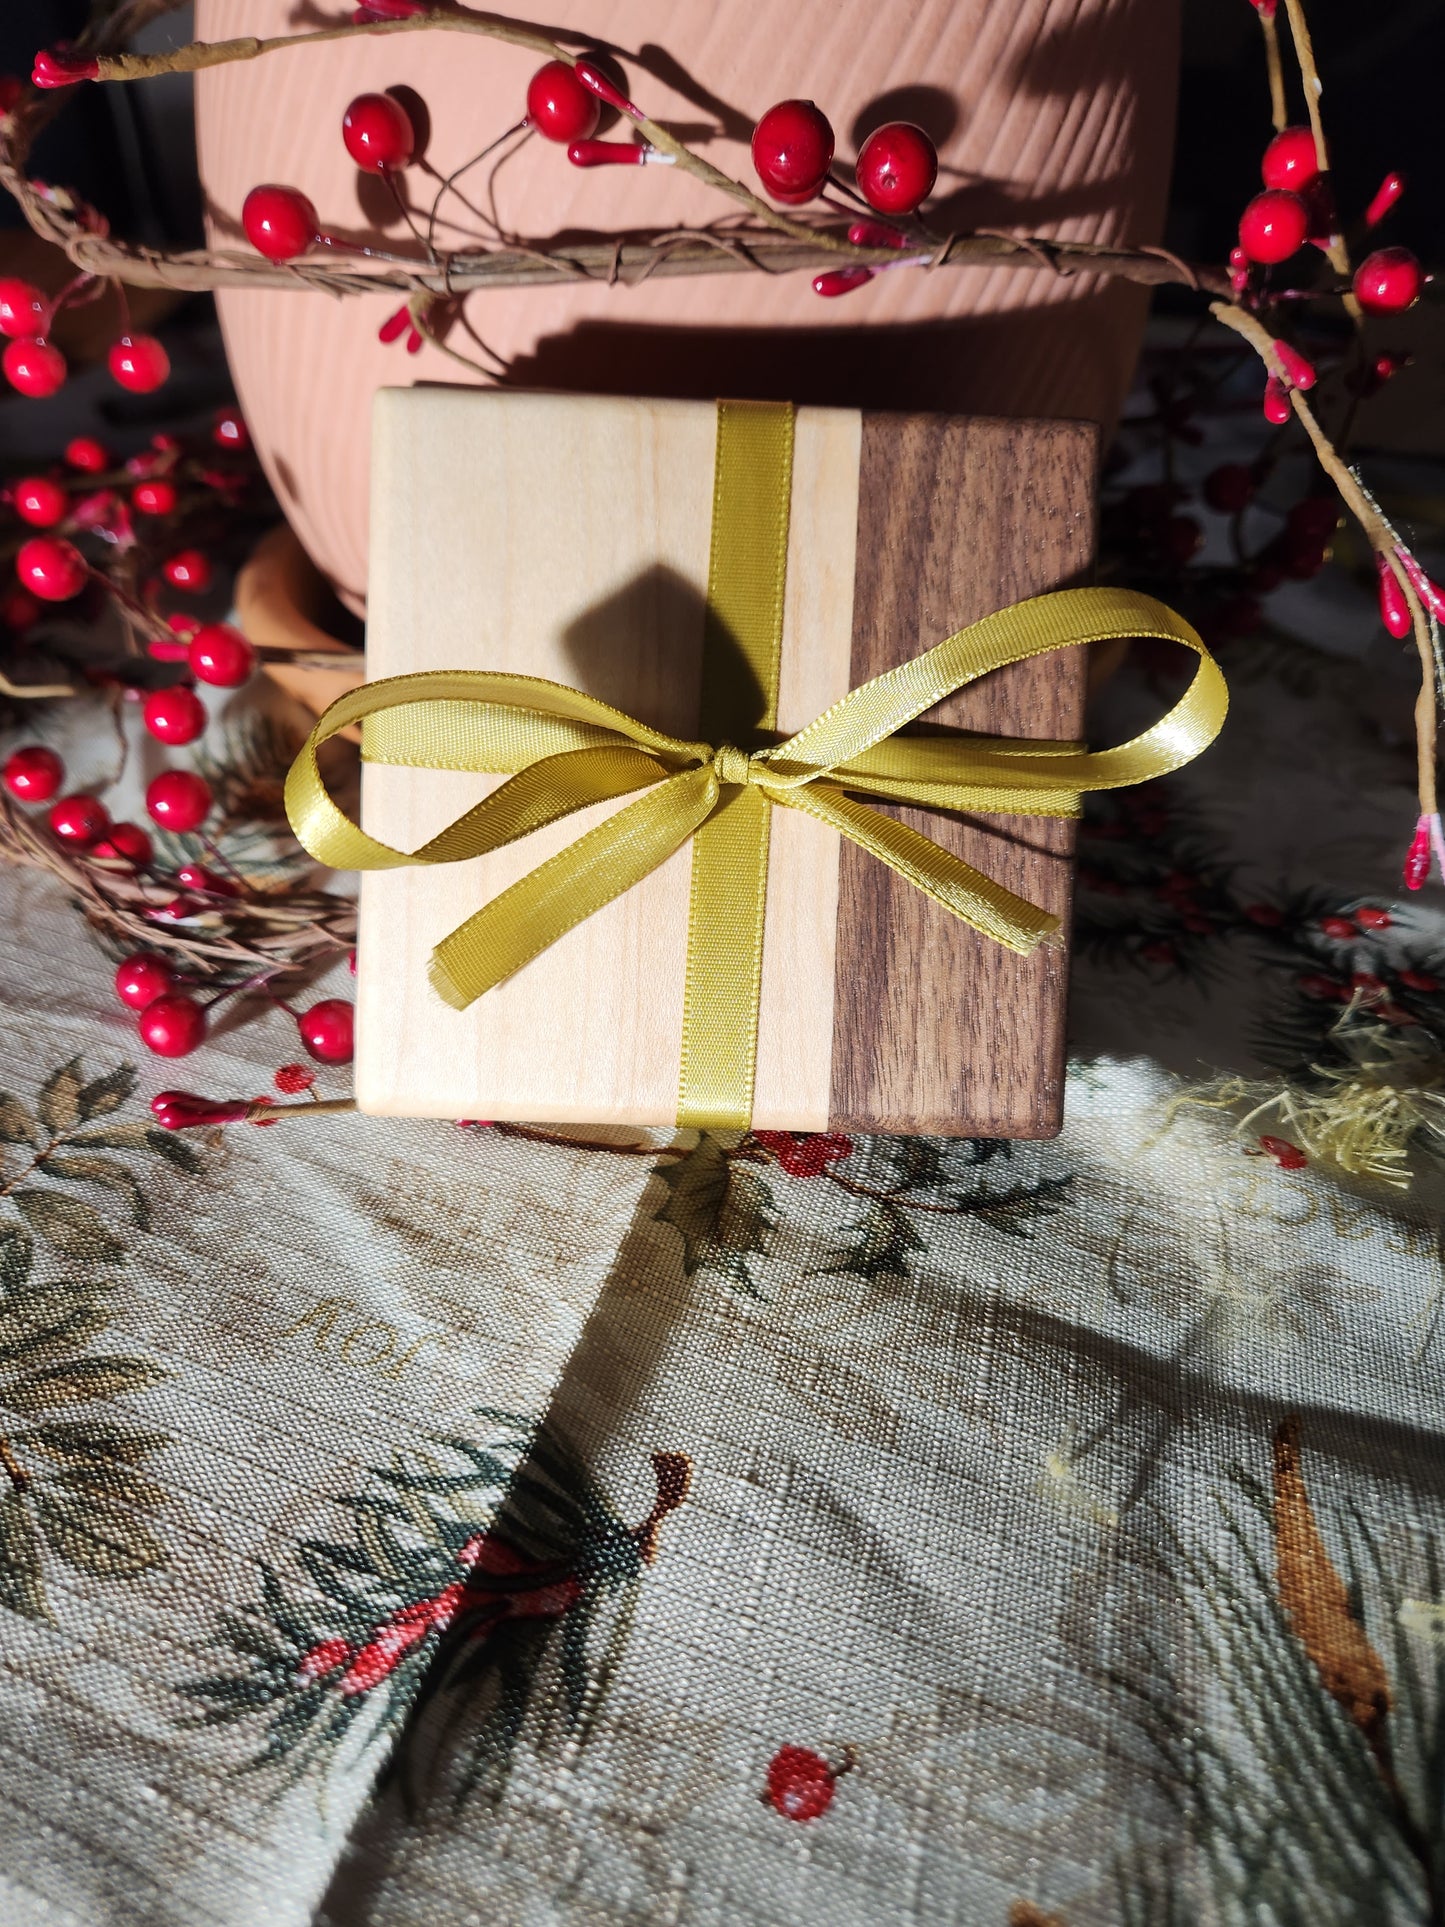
{"x":1378,"y":533}
{"x":1274,"y":67}
{"x":781,"y":242}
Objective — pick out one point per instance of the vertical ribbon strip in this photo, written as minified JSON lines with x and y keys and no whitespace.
{"x":742,"y":655}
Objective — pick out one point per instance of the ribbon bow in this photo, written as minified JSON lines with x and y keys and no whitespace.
{"x":563,"y":750}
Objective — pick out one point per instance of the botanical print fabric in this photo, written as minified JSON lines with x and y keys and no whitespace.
{"x":428,"y":1523}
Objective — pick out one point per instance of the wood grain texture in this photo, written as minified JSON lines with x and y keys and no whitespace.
{"x":877,"y":1011}
{"x":937,"y":1029}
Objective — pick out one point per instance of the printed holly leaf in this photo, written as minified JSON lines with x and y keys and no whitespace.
{"x":721,"y":1212}
{"x":17,"y":1126}
{"x":58,"y":1099}
{"x":105,"y":1094}
{"x":744,"y":1228}
{"x":51,"y":1321}
{"x":918,"y":1162}
{"x":22,"y":1584}
{"x":167,"y":1145}
{"x":877,"y":1247}
{"x":81,"y":1379}
{"x":119,"y":1483}
{"x":94,"y":1442}
{"x":16,"y":1248}
{"x":71,"y":1226}
{"x":97,"y":1536}
{"x":697,"y":1187}
{"x":115,"y":1137}
{"x":90,"y":1169}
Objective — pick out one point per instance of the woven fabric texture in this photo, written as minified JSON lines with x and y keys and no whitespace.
{"x":420,"y":1524}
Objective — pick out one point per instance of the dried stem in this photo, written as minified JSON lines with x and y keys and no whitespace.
{"x":771,"y":242}
{"x":1337,"y":253}
{"x":1381,"y":537}
{"x":1278,"y":107}
{"x":295,"y":933}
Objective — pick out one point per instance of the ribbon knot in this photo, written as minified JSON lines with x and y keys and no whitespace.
{"x":732,"y":765}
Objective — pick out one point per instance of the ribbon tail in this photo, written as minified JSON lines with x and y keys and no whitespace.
{"x":960,"y":889}
{"x":549,"y":901}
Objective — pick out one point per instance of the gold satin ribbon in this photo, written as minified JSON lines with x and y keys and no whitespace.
{"x":564,"y":750}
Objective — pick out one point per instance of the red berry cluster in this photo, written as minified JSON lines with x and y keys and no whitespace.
{"x":36,"y":367}
{"x":1297,"y":205}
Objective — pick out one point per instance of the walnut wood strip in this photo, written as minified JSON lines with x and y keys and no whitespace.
{"x":935,"y":1028}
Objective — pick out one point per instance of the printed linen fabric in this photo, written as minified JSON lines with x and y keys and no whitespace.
{"x":406,"y":1523}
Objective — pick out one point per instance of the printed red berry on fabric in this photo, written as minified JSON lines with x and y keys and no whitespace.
{"x":801,"y":1784}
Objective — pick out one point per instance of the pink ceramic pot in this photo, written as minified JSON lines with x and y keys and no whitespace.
{"x":1050,"y":115}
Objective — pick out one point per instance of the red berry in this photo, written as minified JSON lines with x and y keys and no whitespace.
{"x":1420,"y":980}
{"x":153,"y":498}
{"x":1276,"y":402}
{"x":60,"y":67}
{"x":24,"y":311}
{"x":173,"y":1025}
{"x":1417,"y":857}
{"x":896,"y":168}
{"x":1297,"y":371}
{"x":836,"y":281}
{"x":176,"y":716}
{"x":195,"y":876}
{"x":1274,"y":226}
{"x":1229,"y":488}
{"x":142,"y":978}
{"x":596,"y":82}
{"x":279,"y":221}
{"x":1369,"y":917}
{"x":88,"y":455}
{"x":139,"y":363}
{"x":81,"y":820}
{"x":293,"y":1079}
{"x":185,"y":1110}
{"x":51,"y":568}
{"x":178,"y":799}
{"x":1385,"y":197}
{"x":800,"y":1783}
{"x":378,"y":133}
{"x":40,"y":501}
{"x":1289,"y":1157}
{"x":793,"y":148}
{"x":1340,"y":928}
{"x":328,"y":1030}
{"x":876,"y":234}
{"x":1290,"y":160}
{"x":1265,"y":915}
{"x":34,"y":774}
{"x":1388,"y":281}
{"x":190,"y":571}
{"x":35,"y":368}
{"x":559,"y":106}
{"x":231,"y":431}
{"x":126,"y":843}
{"x":1394,"y":606}
{"x":221,"y":656}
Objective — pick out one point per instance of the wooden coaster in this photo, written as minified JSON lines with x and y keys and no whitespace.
{"x":567,"y":537}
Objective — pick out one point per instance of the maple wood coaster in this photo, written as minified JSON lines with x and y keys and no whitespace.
{"x":568,"y":538}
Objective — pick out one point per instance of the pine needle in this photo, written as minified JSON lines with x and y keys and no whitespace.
{"x":1363,"y":1115}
